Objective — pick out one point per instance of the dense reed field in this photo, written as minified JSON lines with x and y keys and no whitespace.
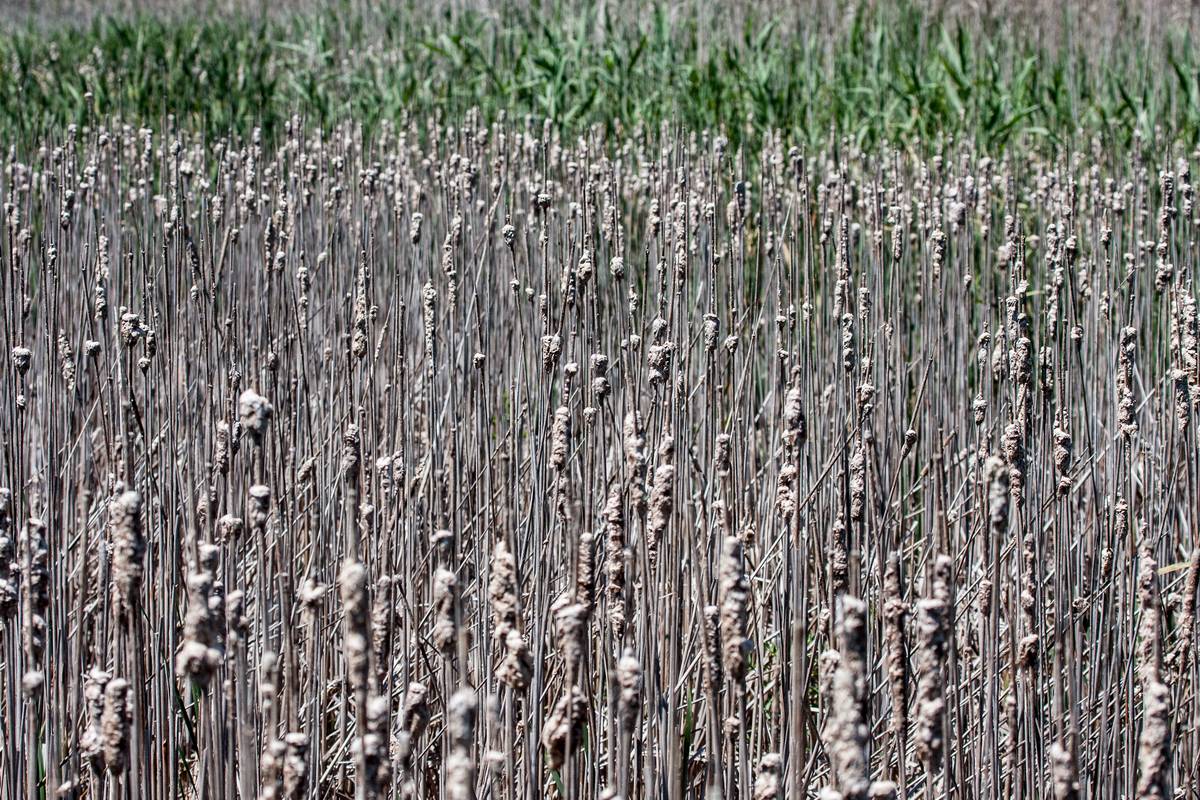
{"x":473,"y":461}
{"x":505,"y":402}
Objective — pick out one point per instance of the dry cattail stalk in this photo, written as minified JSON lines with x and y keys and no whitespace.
{"x":1154,"y":744}
{"x":570,"y":624}
{"x":896,"y":655}
{"x":35,"y":589}
{"x":414,"y":718}
{"x":1187,"y":615}
{"x":255,"y":413}
{"x":662,"y":501}
{"x":445,"y":597}
{"x":882,"y":790}
{"x":200,"y":653}
{"x":381,"y":630}
{"x":635,"y":463}
{"x":114,"y":725}
{"x":564,"y":723}
{"x":373,"y":747}
{"x":125,"y":521}
{"x":768,"y":783}
{"x":503,"y":591}
{"x":614,"y":564}
{"x":585,"y":574}
{"x":560,"y":438}
{"x":848,"y":731}
{"x":713,"y":674}
{"x":932,"y":630}
{"x":1063,"y":775}
{"x":295,"y":766}
{"x":629,"y":701}
{"x":734,"y":596}
{"x":352,"y":583}
{"x":271,"y":770}
{"x":91,"y":743}
{"x":460,"y":762}
{"x":8,"y":567}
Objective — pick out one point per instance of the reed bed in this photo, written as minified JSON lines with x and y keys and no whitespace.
{"x":477,"y":462}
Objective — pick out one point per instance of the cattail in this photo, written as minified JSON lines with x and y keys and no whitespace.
{"x":1063,"y":776}
{"x":268,"y":684}
{"x":235,"y":618}
{"x":295,"y":766}
{"x":848,"y":731}
{"x":614,"y":566}
{"x":358,"y":339}
{"x":629,"y":680}
{"x":1154,"y":744}
{"x":516,"y":666}
{"x":635,"y":463}
{"x":91,"y":741}
{"x":460,"y":729}
{"x":381,"y":630}
{"x":260,"y":506}
{"x":35,"y":587}
{"x":372,"y":747}
{"x":1063,"y":449}
{"x":429,"y":317}
{"x":1125,"y":398}
{"x":712,"y":652}
{"x":8,"y":568}
{"x":858,"y":484}
{"x":839,"y":566}
{"x":66,"y":361}
{"x":894,"y":612}
{"x":131,"y":327}
{"x":795,"y":426}
{"x":445,"y":598}
{"x":1150,"y":627}
{"x":721,"y":457}
{"x":570,"y":622}
{"x":255,"y":413}
{"x":125,"y":521}
{"x":560,"y":438}
{"x":551,"y":349}
{"x":882,"y":790}
{"x":221,"y":448}
{"x":564,"y":723}
{"x":1187,"y":615}
{"x":768,"y":783}
{"x":734,"y":595}
{"x":585,"y":574}
{"x":503,"y":591}
{"x":1013,"y":447}
{"x":352,"y":583}
{"x":1181,"y":392}
{"x":932,"y":627}
{"x":114,"y":725}
{"x":414,"y":717}
{"x":662,"y":504}
{"x":199,"y":654}
{"x":270,"y":770}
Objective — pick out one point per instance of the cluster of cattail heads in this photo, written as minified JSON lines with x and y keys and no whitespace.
{"x":471,"y":460}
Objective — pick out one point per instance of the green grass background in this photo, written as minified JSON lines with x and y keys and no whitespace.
{"x":890,"y":71}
